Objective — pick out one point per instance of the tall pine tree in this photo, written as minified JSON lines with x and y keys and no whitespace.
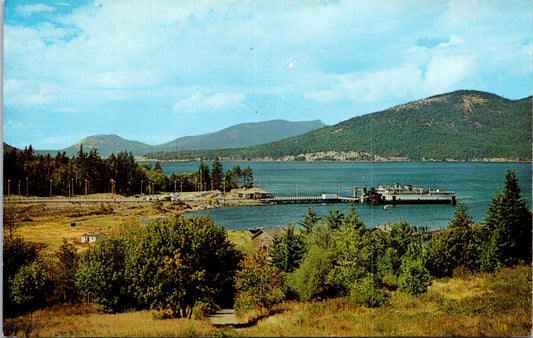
{"x":217,"y":174}
{"x":509,"y":227}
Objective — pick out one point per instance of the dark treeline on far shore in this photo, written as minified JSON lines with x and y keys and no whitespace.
{"x":27,"y":173}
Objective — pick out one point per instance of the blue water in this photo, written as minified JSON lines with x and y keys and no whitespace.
{"x":474,"y":183}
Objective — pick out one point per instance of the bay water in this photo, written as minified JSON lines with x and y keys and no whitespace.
{"x":474,"y":184}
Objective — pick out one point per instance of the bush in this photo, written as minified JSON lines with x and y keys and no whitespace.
{"x":365,"y":292}
{"x":414,"y":277}
{"x":29,"y":285}
{"x":258,"y":284}
{"x":315,"y":278}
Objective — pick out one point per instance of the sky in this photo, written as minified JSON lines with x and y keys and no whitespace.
{"x":153,"y":71}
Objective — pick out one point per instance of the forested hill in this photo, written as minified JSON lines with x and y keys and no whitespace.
{"x":241,"y":135}
{"x":462,"y":125}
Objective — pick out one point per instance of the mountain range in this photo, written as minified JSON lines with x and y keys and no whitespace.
{"x":461,"y":125}
{"x":238,"y":136}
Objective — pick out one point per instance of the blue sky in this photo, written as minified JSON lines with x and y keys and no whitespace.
{"x":153,"y":71}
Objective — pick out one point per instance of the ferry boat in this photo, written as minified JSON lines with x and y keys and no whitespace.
{"x":410,"y":194}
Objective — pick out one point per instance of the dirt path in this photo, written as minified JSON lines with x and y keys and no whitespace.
{"x":225,"y":317}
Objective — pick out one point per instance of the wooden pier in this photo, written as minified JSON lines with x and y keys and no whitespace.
{"x":309,"y":199}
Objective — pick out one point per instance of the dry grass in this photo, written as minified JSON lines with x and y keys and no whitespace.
{"x":459,"y":288}
{"x":48,"y":223}
{"x":476,"y":305}
{"x":83,"y":321}
{"x":499,"y":306}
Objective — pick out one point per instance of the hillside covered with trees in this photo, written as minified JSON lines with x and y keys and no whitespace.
{"x":240,"y":135}
{"x":462,"y":125}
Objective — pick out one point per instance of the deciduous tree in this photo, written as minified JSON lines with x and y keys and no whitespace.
{"x":258,"y":284}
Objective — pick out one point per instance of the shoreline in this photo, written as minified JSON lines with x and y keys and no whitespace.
{"x":260,"y":160}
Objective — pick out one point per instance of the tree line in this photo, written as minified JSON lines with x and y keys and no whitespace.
{"x":175,"y":265}
{"x":27,"y":173}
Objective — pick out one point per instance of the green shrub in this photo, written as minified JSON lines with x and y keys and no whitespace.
{"x":414,"y":277}
{"x":367,"y":293}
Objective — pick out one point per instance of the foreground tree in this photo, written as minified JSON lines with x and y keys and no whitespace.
{"x":309,"y":219}
{"x":414,"y":277}
{"x":457,"y":245}
{"x":258,"y":284}
{"x":315,"y":278}
{"x":170,"y":265}
{"x":30,"y":285}
{"x":508,"y":225}
{"x":16,"y":254}
{"x":176,"y":263}
{"x":287,"y":249}
{"x":101,"y":276}
{"x":66,"y":267}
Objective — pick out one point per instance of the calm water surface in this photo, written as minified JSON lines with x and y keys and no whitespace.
{"x":474,"y":184}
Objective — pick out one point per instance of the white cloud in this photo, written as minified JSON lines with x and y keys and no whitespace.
{"x":370,"y":86}
{"x":14,"y":125}
{"x":25,"y":93}
{"x":210,"y":103}
{"x":29,"y":10}
{"x":445,"y":72}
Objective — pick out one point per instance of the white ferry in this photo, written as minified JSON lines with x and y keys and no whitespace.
{"x":398,"y":194}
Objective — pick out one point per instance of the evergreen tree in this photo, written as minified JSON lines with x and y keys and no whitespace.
{"x":236,"y":175}
{"x":217,"y":174}
{"x":203,"y":177}
{"x":309,"y":219}
{"x":457,"y":245}
{"x":414,"y":277}
{"x":287,"y":250}
{"x":352,"y":218}
{"x":65,"y":279}
{"x":334,"y":219}
{"x":508,"y":224}
{"x":248,"y":177}
{"x":157,"y":167}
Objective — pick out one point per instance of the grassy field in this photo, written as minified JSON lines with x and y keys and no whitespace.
{"x":47,"y":224}
{"x":497,"y":304}
{"x":473,"y":305}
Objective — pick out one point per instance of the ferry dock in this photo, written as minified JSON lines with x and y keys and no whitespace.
{"x":324,"y":198}
{"x":381,"y":195}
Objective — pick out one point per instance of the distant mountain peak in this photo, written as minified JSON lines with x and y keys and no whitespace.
{"x":241,"y":135}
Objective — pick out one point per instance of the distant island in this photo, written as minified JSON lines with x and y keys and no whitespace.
{"x":238,"y":136}
{"x":464,"y":125}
